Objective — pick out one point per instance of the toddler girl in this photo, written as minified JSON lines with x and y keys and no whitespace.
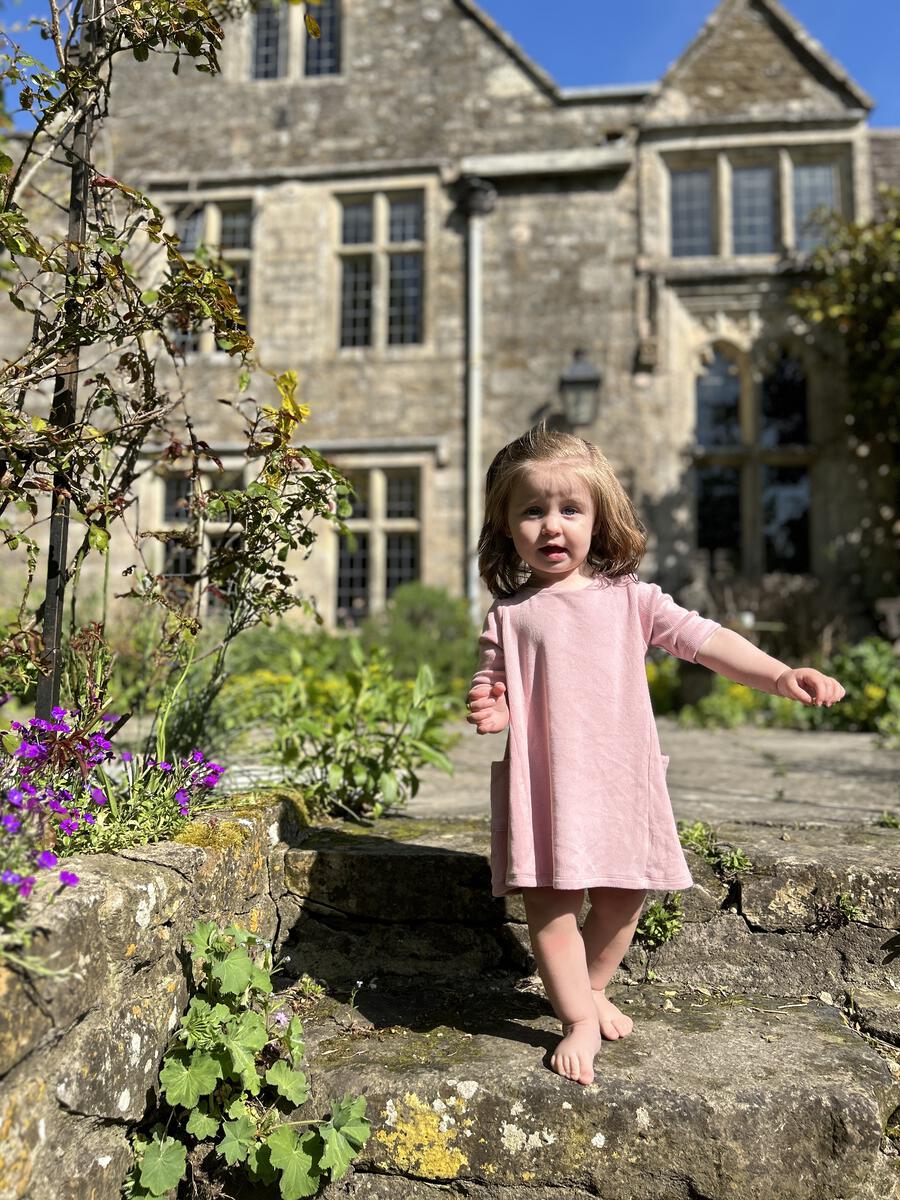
{"x":580,"y":799}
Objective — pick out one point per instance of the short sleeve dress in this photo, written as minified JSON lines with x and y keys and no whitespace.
{"x":580,"y":798}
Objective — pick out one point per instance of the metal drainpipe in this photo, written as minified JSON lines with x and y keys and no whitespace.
{"x":478,"y":200}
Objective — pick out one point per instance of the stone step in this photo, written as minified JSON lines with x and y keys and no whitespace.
{"x":411,"y":898}
{"x":719,"y":1097}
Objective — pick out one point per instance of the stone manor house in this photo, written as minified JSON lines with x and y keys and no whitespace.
{"x":427,"y":228}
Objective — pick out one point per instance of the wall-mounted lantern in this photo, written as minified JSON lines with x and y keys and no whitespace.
{"x":579,"y":390}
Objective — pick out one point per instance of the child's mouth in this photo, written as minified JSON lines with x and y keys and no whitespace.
{"x":554,"y":553}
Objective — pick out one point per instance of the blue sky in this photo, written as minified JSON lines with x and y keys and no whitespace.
{"x":584,"y":42}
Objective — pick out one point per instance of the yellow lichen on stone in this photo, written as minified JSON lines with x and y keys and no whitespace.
{"x":131,"y":949}
{"x":224,"y":835}
{"x":416,"y":1142}
{"x":253,"y":920}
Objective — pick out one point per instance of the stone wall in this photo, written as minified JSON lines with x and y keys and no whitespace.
{"x":80,"y":1050}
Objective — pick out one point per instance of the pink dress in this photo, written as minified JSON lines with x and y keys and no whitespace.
{"x":580,"y":798}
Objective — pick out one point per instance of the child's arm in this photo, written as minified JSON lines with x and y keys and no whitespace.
{"x":728,"y":653}
{"x":487,"y":696}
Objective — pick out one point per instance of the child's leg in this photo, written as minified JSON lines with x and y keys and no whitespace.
{"x":559,"y":951}
{"x":607,"y":933}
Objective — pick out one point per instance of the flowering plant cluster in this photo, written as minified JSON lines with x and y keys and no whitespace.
{"x":64,"y":790}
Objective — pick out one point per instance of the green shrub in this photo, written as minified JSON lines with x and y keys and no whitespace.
{"x":356,"y":741}
{"x":426,"y":625}
{"x":662,"y":680}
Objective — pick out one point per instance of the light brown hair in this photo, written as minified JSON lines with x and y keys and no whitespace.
{"x":619,"y":542}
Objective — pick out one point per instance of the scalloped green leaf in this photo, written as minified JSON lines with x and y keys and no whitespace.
{"x":238,"y":1138}
{"x":201,"y":1125}
{"x":344,"y":1135}
{"x":298,"y":1160}
{"x":233,"y":972}
{"x":290,"y":1084}
{"x":187,"y":1076}
{"x":163,"y":1165}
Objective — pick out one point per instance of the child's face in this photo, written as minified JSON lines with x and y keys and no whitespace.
{"x":551,"y":520}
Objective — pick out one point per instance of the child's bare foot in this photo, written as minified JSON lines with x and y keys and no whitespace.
{"x":573,"y":1058}
{"x":613,"y":1022}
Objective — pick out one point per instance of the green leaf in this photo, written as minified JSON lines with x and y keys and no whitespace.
{"x":290,"y":1084}
{"x":423,"y":685}
{"x":199,"y":938}
{"x":259,"y":1164}
{"x":344,"y":1135}
{"x":149,"y":297}
{"x":249,"y":1031}
{"x":293,"y":1037}
{"x":261,"y":980}
{"x":239,"y":1137}
{"x":6,"y":164}
{"x":141,"y":53}
{"x":298,"y":1161}
{"x":201,"y":1025}
{"x":233,"y":972}
{"x":163,"y":1165}
{"x":187,"y":1076}
{"x":201,"y":1125}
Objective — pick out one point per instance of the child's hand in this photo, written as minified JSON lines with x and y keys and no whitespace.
{"x":487,"y":708}
{"x":809,"y":686}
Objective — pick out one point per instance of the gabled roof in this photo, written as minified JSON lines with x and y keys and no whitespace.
{"x":545,"y":81}
{"x":804,"y":43}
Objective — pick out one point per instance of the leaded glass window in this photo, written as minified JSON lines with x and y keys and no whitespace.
{"x":785,"y":497}
{"x":405,"y":300}
{"x":782,"y":418}
{"x":753,"y":210}
{"x":353,"y":579}
{"x":691,"y":212}
{"x":815,"y":188}
{"x":402,"y":560}
{"x":269,"y":42}
{"x":718,"y":403}
{"x":323,"y":54}
{"x":356,"y":300}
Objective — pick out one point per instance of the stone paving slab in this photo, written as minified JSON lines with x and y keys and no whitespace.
{"x":725,"y":1098}
{"x":747,"y":774}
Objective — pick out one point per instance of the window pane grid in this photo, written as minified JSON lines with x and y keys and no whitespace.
{"x":359,"y":501}
{"x":691,"y":212}
{"x":353,"y":579}
{"x":718,"y":403}
{"x":356,"y":301}
{"x":753,"y":210}
{"x":402,"y":493}
{"x":356,"y":222}
{"x":405,"y":299}
{"x":176,"y":494}
{"x":239,"y":281}
{"x":814,"y":188}
{"x":405,"y":221}
{"x":268,"y":41}
{"x":224,"y":546}
{"x":235,"y":231}
{"x":189,"y":228}
{"x":402,"y":560}
{"x":323,"y":54}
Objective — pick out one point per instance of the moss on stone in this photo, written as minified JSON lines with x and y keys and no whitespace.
{"x":218,"y":835}
{"x":398,"y":829}
{"x":400,"y":1049}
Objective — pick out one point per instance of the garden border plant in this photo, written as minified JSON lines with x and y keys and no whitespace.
{"x":232,"y":1073}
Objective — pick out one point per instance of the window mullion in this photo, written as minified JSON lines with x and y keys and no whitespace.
{"x":723,"y":206}
{"x":380,"y":269}
{"x":377,"y":547}
{"x":786,"y":200}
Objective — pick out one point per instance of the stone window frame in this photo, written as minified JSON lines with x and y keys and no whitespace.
{"x":380,"y":249}
{"x":293,"y":53}
{"x":721,"y":161}
{"x":750,"y":456}
{"x":233,"y":467}
{"x":204,"y":342}
{"x":377,"y":525}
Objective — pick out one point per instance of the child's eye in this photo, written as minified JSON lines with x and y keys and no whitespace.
{"x":533,"y":511}
{"x":570,"y":508}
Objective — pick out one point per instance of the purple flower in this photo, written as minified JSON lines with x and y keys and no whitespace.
{"x":11,"y":824}
{"x":181,"y":796}
{"x":69,"y":826}
{"x":14,"y":796}
{"x":55,"y":806}
{"x":98,"y":796}
{"x":126,"y":756}
{"x":18,"y":726}
{"x":197,"y":756}
{"x":61,"y":727}
{"x":26,"y":885}
{"x":46,"y":859}
{"x":65,"y":793}
{"x":39,"y":723}
{"x":88,"y":818}
{"x":31,"y":750}
{"x":281,"y":1019}
{"x":97,"y":739}
{"x":210,"y":781}
{"x":110,"y":717}
{"x":10,"y":877}
{"x":5,"y":698}
{"x":29,"y":788}
{"x":164,"y":766}
{"x":68,"y":878}
{"x":58,"y":712}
